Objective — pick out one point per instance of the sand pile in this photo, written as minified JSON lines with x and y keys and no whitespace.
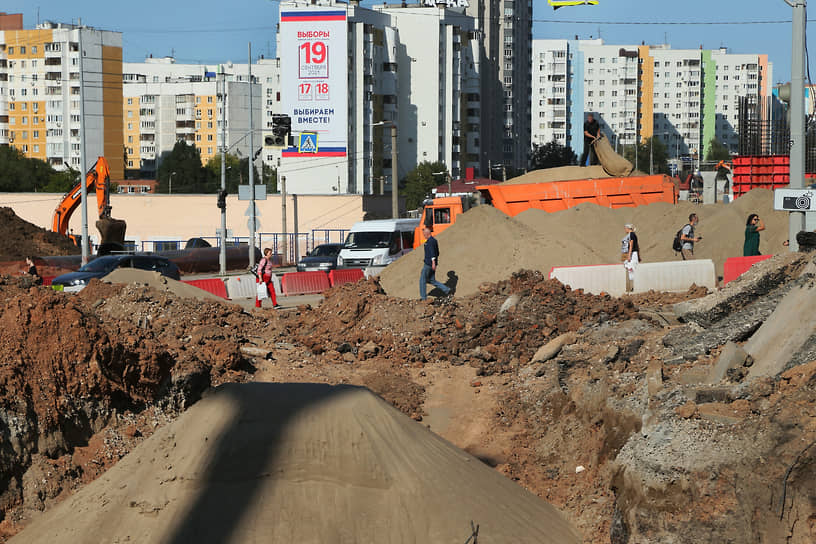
{"x":486,"y":245}
{"x":158,"y":282}
{"x":560,"y":174}
{"x":290,"y":463}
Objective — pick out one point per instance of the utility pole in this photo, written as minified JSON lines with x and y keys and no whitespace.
{"x":251,"y":160}
{"x":222,"y":255}
{"x":284,"y":254}
{"x":797,"y":118}
{"x":83,"y":166}
{"x":504,"y":172}
{"x":651,"y":155}
{"x":394,"y":173}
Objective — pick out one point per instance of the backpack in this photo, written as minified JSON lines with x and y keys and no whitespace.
{"x":677,"y":243}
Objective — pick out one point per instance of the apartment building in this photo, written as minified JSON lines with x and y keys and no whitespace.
{"x":505,"y":36}
{"x":52,"y":99}
{"x":349,"y":74}
{"x":685,"y":97}
{"x":165,"y":102}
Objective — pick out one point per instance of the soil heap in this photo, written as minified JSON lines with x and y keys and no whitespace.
{"x":299,"y":463}
{"x":485,"y":244}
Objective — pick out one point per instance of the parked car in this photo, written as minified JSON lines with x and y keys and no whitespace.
{"x":102,"y":266}
{"x":322,"y":257}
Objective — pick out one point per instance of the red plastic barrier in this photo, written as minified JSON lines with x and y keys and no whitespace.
{"x":47,"y":280}
{"x":304,"y":283}
{"x":345,"y":275}
{"x":734,"y":267}
{"x":212,"y":285}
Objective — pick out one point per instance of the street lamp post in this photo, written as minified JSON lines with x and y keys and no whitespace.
{"x":394,"y":169}
{"x":449,"y":180}
{"x":170,"y":188}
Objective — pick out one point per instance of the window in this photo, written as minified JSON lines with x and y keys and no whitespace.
{"x":22,"y":49}
{"x":209,"y":99}
{"x":209,"y":137}
{"x":130,"y":101}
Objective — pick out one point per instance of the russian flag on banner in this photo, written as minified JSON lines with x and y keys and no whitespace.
{"x":322,"y":152}
{"x":313,"y":16}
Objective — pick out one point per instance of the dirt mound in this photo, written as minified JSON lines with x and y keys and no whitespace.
{"x":19,"y":238}
{"x":561,"y":173}
{"x":485,"y":244}
{"x":158,"y":282}
{"x":498,"y":329}
{"x":74,"y":362}
{"x":272,"y":462}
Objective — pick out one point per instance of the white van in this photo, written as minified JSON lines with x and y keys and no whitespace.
{"x":377,"y":243}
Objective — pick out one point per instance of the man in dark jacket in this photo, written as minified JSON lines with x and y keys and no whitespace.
{"x":429,"y":266}
{"x":591,"y":132}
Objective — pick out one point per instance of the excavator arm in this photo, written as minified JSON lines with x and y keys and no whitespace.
{"x":98,"y":179}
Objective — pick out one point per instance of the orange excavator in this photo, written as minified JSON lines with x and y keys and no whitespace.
{"x":97,"y":179}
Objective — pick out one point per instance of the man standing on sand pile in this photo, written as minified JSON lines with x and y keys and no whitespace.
{"x":591,"y":132}
{"x":428,"y":274}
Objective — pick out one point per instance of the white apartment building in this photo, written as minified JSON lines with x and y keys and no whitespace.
{"x":52,"y":100}
{"x":683,"y":97}
{"x":505,"y":36}
{"x":166,"y":102}
{"x":415,"y":67}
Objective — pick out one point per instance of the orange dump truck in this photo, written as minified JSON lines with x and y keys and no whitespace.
{"x":552,"y":196}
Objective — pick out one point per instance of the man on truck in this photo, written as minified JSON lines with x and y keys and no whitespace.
{"x":591,"y":132}
{"x":428,"y":274}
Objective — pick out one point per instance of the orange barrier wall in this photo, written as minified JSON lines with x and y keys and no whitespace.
{"x":554,"y":196}
{"x":304,"y":283}
{"x":213,"y":285}
{"x":734,"y":267}
{"x":345,"y":275}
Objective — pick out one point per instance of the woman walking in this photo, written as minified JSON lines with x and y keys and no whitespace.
{"x":752,"y":227}
{"x":630,"y":254}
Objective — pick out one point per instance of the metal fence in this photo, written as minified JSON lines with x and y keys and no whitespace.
{"x":287,"y":249}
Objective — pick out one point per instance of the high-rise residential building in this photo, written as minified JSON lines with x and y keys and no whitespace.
{"x":53,"y":100}
{"x":505,"y":30}
{"x":349,"y":74}
{"x":166,"y":102}
{"x":684,"y":97}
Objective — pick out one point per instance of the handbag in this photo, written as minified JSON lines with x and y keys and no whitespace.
{"x":262,"y":291}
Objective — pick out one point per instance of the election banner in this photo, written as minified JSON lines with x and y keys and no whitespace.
{"x":314,"y":76}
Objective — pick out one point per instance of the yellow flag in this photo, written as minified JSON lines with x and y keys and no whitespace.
{"x":561,"y":3}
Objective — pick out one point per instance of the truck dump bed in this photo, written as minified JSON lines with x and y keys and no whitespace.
{"x":554,"y":196}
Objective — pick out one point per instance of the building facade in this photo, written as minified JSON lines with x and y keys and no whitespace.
{"x":165,"y":102}
{"x":684,"y":97}
{"x":505,"y":31}
{"x":52,"y":99}
{"x":410,"y":66}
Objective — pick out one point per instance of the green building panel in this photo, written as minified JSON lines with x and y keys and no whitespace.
{"x":709,"y":98}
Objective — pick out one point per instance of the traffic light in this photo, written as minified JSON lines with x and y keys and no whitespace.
{"x":222,"y":199}
{"x":281,"y":128}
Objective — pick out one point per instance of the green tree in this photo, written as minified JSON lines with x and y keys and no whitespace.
{"x":19,"y":173}
{"x":419,"y":182}
{"x":237,"y":173}
{"x":717,"y":151}
{"x":659,"y":156}
{"x":551,"y":155}
{"x":189,"y":177}
{"x":270,"y":178}
{"x":62,"y":182}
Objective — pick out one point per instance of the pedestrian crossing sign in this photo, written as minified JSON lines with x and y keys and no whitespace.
{"x":308,"y":142}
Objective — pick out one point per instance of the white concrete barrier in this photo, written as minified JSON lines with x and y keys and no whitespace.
{"x":664,"y":276}
{"x":243,"y":286}
{"x":675,"y":275}
{"x":595,"y":279}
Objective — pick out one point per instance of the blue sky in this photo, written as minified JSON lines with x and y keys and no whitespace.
{"x":207,"y":32}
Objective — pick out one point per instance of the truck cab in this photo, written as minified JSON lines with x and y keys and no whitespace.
{"x":440,"y":213}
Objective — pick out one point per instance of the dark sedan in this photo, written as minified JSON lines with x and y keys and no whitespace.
{"x":102,"y":266}
{"x":322,"y":257}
